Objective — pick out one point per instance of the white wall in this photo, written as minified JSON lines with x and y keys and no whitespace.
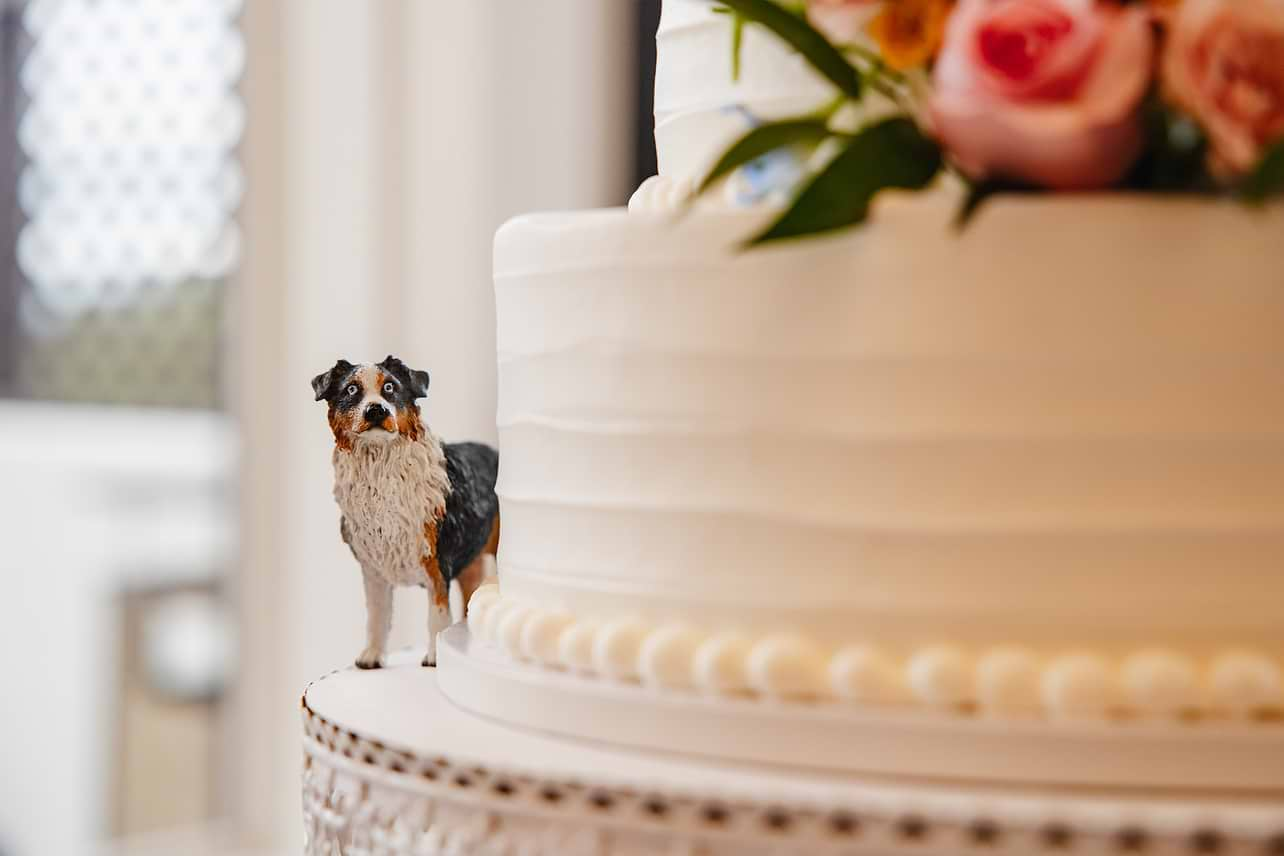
{"x":386,"y":143}
{"x":96,"y":500}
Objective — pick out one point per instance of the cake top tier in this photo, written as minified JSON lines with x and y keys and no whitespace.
{"x":816,"y":106}
{"x":700,"y":105}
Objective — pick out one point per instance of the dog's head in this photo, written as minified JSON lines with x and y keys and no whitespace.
{"x":372,"y":403}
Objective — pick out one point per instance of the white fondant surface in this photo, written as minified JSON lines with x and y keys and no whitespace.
{"x":1062,"y":429}
{"x":393,"y":767}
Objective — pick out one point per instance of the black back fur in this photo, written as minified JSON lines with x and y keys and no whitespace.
{"x":471,"y":506}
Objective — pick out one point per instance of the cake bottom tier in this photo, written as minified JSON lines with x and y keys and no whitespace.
{"x":955,"y":745}
{"x":392,"y":767}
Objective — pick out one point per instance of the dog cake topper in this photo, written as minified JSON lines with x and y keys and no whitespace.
{"x":415,"y":511}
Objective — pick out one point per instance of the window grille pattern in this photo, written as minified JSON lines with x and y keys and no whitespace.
{"x":127,"y":132}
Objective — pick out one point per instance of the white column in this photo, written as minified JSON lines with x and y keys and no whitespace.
{"x":510,"y":107}
{"x":386,"y":141}
{"x":320,"y":283}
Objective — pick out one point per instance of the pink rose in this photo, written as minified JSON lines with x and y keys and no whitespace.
{"x":1225,"y":64}
{"x":1043,"y":91}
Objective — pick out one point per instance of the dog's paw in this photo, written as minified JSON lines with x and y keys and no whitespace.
{"x":430,"y":661}
{"x":370,"y":659}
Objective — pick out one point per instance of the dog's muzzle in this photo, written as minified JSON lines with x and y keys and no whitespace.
{"x":376,"y":414}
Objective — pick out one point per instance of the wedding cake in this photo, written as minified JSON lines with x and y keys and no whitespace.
{"x":999,"y":505}
{"x":1034,"y":470}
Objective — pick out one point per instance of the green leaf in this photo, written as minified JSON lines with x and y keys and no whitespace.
{"x":737,"y":42}
{"x":764,"y":139}
{"x":891,"y":153}
{"x":1174,"y":158}
{"x":876,"y":62}
{"x":794,"y":29}
{"x":1267,"y":179}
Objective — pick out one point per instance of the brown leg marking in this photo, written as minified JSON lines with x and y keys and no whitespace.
{"x":436,"y":582}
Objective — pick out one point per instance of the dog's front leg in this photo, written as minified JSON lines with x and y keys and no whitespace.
{"x":438,"y":620}
{"x":378,"y":620}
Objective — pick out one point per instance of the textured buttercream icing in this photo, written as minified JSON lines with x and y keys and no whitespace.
{"x":994,"y":468}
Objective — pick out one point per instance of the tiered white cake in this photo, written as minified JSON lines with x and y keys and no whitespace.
{"x":977,"y":539}
{"x":1030,"y":474}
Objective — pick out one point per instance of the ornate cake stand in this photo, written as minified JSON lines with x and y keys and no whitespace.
{"x":392,"y":767}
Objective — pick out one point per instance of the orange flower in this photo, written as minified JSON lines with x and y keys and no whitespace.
{"x":909,"y":32}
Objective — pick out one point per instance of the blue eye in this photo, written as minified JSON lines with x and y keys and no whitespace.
{"x":387,"y":388}
{"x":352,"y":389}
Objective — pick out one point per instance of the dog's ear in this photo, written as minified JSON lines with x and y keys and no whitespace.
{"x":414,"y":380}
{"x":324,"y":384}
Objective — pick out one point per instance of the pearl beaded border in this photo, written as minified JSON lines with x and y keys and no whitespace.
{"x":1003,"y":680}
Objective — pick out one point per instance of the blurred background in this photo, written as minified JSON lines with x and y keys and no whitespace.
{"x":203,"y":203}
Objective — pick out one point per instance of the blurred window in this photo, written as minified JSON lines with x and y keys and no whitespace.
{"x":119,"y":184}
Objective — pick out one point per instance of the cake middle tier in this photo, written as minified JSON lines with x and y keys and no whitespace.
{"x":1063,"y":429}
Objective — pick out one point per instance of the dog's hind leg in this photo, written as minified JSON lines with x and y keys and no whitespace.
{"x":480,"y":570}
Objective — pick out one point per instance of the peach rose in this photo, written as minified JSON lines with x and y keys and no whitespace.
{"x":1043,"y":91}
{"x":909,"y":32}
{"x":1224,"y":62}
{"x":905,"y":32}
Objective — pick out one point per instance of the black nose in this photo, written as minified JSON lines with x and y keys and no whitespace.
{"x":376,"y":413}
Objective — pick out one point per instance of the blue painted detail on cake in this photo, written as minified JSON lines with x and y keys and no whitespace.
{"x":771,"y":178}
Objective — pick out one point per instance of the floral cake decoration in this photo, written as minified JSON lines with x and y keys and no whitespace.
{"x":1162,"y":96}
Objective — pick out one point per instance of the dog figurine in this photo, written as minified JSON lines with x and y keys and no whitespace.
{"x":415,"y":511}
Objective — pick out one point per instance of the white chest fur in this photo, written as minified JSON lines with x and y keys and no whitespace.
{"x":389,"y":493}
